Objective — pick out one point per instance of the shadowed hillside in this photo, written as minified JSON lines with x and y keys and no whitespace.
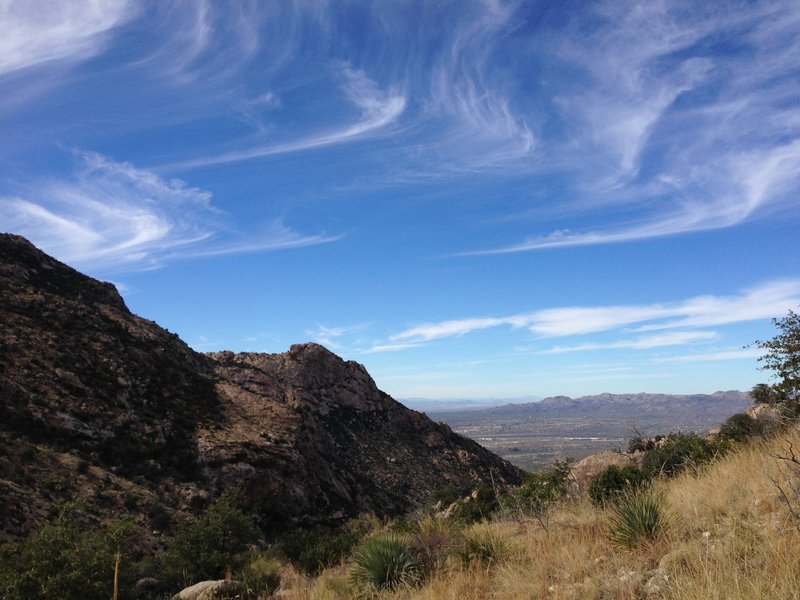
{"x":106,"y":407}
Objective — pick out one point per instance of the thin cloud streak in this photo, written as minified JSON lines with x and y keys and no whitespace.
{"x":678,"y":338}
{"x":760,"y":302}
{"x":378,"y":108}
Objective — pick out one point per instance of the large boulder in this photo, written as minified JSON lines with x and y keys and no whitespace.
{"x":584,"y":471}
{"x":210,"y":590}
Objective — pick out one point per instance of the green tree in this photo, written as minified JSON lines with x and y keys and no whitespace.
{"x":765,"y":394}
{"x":782,"y":355}
{"x":211,"y":545}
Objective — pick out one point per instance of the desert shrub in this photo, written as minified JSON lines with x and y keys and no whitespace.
{"x":479,"y":506}
{"x":741,"y":426}
{"x":483,"y":543}
{"x":681,"y":450}
{"x":159,"y":518}
{"x":312,"y":550}
{"x":445,"y":496}
{"x":539,"y":490}
{"x":615,"y":481}
{"x":260,"y":576}
{"x":636,"y":518}
{"x":640,"y":444}
{"x":64,"y":560}
{"x":385,"y":562}
{"x":211,"y":545}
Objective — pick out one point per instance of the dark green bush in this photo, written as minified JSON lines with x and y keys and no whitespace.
{"x":213,"y":544}
{"x":446,"y":495}
{"x":482,"y":504}
{"x":682,"y":450}
{"x":615,"y":481}
{"x":384,"y":563}
{"x":64,"y":560}
{"x":543,"y":488}
{"x":739,"y":427}
{"x":312,"y":550}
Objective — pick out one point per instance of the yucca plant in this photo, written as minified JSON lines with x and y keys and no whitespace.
{"x":636,"y":518}
{"x":385,"y":562}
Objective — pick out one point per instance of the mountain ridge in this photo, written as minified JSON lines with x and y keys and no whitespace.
{"x":101,"y":405}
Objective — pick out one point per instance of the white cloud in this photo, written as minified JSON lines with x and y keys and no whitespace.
{"x":668,"y":137}
{"x":721,"y":355}
{"x":761,"y":302}
{"x":378,"y":109}
{"x":677,"y":338}
{"x":113,"y":215}
{"x":34,"y":32}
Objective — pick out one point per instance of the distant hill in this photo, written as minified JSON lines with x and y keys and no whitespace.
{"x":104,"y":407}
{"x":533,"y":434}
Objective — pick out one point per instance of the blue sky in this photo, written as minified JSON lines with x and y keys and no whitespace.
{"x":473,"y":199}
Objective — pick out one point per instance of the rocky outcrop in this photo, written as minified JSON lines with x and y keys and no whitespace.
{"x":309,"y":434}
{"x":582,"y":472}
{"x":99,"y":404}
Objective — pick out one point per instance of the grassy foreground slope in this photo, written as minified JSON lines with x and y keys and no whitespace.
{"x":731,"y":534}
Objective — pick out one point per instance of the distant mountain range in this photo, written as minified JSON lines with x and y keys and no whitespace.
{"x":664,"y":412}
{"x":450,"y":404}
{"x":709,"y":409}
{"x":533,"y":434}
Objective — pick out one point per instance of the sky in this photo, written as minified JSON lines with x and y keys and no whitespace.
{"x":474,"y":199}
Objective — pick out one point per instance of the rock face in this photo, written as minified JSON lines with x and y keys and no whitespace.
{"x":331,"y":442}
{"x":99,"y":404}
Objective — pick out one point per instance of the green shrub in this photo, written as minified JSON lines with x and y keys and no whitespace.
{"x":739,"y":427}
{"x":637,"y":518}
{"x":213,"y":544}
{"x":312,"y":550}
{"x":384,"y":563}
{"x":66,"y":561}
{"x":446,"y":495}
{"x":480,"y":506}
{"x":541,"y":489}
{"x":681,"y":450}
{"x":483,"y":543}
{"x":614,"y":482}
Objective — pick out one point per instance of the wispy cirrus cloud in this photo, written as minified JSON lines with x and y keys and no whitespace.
{"x":760,"y":302}
{"x":113,"y":215}
{"x":378,"y":109}
{"x":677,"y":338}
{"x":36,"y":32}
{"x":683,"y":121}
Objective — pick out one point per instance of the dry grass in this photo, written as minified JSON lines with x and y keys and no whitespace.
{"x":730,"y":536}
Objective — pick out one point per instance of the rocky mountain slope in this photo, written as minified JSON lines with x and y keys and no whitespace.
{"x":104,"y":407}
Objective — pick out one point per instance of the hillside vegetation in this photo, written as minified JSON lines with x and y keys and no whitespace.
{"x":732,"y":531}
